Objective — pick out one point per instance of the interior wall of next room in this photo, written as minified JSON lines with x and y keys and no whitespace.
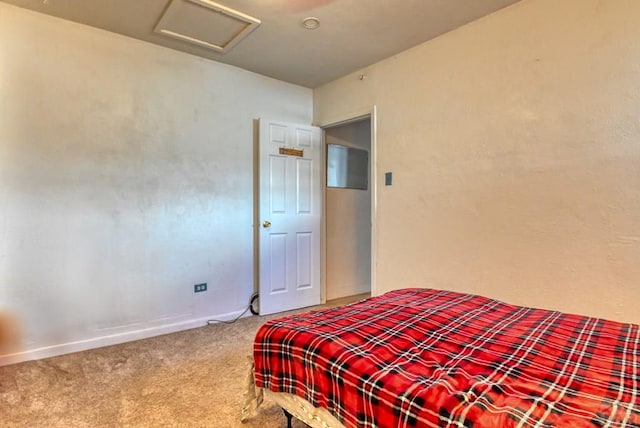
{"x":348,"y":222}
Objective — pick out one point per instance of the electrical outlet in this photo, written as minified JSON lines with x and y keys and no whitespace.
{"x":199,"y":288}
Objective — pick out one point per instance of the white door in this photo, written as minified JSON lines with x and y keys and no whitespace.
{"x":289,"y":215}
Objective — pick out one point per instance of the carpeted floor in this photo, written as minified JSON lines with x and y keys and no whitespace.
{"x":193,"y":378}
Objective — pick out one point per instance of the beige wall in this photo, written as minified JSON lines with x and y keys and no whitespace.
{"x":126,"y":177}
{"x":515,"y":147}
{"x":348,"y":223}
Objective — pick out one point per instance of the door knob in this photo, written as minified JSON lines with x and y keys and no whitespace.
{"x":266,"y":224}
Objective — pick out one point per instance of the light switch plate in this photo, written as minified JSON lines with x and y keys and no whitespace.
{"x":388,"y":178}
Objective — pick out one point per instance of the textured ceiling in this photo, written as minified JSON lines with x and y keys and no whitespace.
{"x":352,"y":33}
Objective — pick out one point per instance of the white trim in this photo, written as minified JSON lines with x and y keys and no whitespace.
{"x":343,"y":119}
{"x":374,"y":199}
{"x":112,"y":339}
{"x":348,"y":117}
{"x":323,"y":219}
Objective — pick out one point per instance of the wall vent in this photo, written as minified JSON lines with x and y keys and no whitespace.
{"x":205,"y":23}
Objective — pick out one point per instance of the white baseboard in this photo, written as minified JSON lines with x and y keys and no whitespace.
{"x":112,"y":339}
{"x":345,"y":290}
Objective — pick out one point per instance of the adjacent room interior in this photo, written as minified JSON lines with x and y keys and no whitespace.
{"x":348,"y":210}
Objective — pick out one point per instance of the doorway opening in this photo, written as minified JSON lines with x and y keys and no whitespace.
{"x":348,"y":222}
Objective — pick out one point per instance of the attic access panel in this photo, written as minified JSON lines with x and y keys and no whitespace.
{"x":206,"y":24}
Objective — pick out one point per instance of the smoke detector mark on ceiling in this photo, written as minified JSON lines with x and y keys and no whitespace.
{"x":311,"y":23}
{"x":205,"y":23}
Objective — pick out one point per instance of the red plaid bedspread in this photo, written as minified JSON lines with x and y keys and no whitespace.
{"x":421,"y":357}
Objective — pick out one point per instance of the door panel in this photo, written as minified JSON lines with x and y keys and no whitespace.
{"x":278,"y":184}
{"x":277,"y":134}
{"x":289,"y":215}
{"x":304,"y":137}
{"x":304,"y":183}
{"x":278,"y":262}
{"x":303,"y":246}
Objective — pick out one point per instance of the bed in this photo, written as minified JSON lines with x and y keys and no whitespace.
{"x":432,"y":358}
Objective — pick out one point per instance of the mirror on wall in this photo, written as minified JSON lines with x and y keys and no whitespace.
{"x":347,"y":167}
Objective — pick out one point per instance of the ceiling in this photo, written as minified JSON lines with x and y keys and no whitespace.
{"x":352,"y":33}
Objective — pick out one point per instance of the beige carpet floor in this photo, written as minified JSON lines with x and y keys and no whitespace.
{"x":193,"y":378}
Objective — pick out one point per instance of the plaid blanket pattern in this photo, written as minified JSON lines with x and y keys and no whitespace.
{"x":422,"y":357}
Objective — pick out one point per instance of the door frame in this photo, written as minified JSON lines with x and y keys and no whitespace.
{"x":338,"y":120}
